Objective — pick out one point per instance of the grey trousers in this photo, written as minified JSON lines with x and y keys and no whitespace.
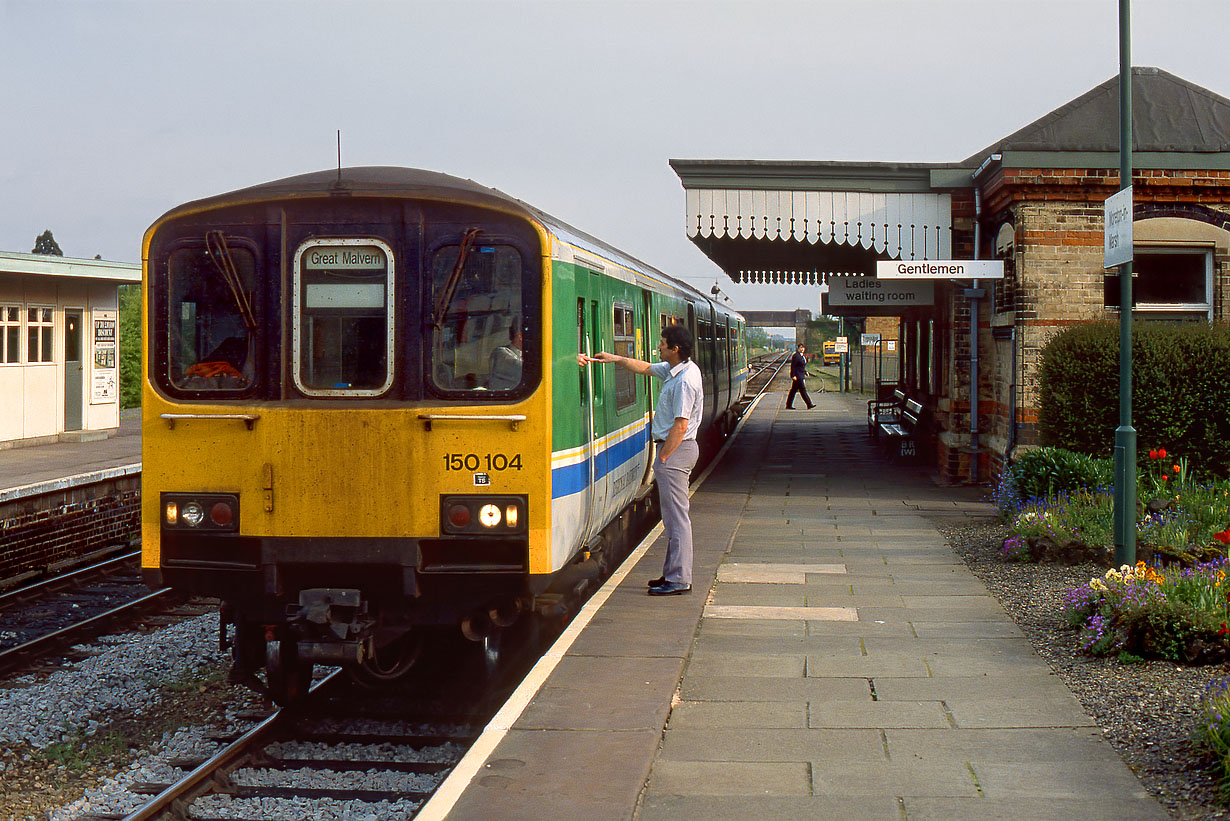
{"x":672,"y":478}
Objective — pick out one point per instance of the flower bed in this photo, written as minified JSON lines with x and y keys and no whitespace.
{"x":1173,"y":604}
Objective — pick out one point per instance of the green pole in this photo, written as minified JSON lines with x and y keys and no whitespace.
{"x":1125,"y":434}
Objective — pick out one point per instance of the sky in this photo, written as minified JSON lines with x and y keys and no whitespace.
{"x":114,"y":112}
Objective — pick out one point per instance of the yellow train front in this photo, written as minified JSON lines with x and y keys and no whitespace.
{"x":346,"y":429}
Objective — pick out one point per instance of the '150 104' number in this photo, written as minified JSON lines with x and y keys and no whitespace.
{"x":489,"y":461}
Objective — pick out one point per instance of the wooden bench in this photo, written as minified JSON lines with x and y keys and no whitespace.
{"x":901,"y":435}
{"x":881,"y":411}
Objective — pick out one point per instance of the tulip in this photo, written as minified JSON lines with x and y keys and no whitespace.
{"x":1161,"y":454}
{"x":1153,"y":454}
{"x":1175,"y":468}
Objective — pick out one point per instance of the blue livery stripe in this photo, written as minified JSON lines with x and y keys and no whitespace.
{"x":571,"y":479}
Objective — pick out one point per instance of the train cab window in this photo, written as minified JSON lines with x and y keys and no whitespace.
{"x":211,"y":317}
{"x":343,"y":327}
{"x":477,"y":323}
{"x":625,"y":345}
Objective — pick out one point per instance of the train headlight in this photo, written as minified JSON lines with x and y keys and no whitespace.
{"x":193,"y":514}
{"x":200,"y":511}
{"x":489,"y":515}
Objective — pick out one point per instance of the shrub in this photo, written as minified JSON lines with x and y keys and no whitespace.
{"x":1050,"y":471}
{"x":1180,"y":390}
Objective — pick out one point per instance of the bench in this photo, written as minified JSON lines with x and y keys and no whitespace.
{"x":900,"y":435}
{"x":884,"y":410}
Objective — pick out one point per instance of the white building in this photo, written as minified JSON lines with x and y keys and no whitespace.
{"x":59,"y":347}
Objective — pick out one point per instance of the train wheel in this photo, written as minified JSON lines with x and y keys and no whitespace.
{"x":288,"y":677}
{"x":389,"y":663}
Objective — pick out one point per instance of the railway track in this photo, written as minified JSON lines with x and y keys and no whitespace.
{"x":343,"y":752}
{"x":45,"y":617}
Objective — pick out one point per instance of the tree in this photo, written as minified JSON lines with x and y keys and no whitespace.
{"x":130,"y":346}
{"x":46,"y":244}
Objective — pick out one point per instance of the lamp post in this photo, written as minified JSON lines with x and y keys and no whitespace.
{"x":1125,"y":434}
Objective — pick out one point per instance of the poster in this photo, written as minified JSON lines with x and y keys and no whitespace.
{"x":105,"y":384}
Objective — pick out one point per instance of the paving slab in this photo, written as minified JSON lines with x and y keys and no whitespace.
{"x":836,"y":660}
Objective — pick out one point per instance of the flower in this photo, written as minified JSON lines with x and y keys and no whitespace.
{"x":1098,"y":585}
{"x":1165,"y":478}
{"x":1153,"y":454}
{"x":1223,"y":537}
{"x":1161,"y":453}
{"x":1175,"y":468}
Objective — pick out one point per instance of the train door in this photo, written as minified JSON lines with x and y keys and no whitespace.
{"x":598,"y":423}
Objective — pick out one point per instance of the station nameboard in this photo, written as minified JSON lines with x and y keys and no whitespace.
{"x":940,"y":269}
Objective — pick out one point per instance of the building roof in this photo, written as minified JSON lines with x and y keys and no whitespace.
{"x":1169,"y":114}
{"x":12,"y":262}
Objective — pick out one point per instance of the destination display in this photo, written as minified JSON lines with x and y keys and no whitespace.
{"x":348,"y":258}
{"x":940,"y":269}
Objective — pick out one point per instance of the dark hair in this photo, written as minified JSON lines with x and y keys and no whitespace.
{"x":678,"y":336}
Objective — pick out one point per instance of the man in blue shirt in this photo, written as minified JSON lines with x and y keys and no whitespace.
{"x":675,"y":423}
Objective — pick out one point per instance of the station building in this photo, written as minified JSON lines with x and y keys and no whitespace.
{"x":59,"y":347}
{"x":1034,"y":200}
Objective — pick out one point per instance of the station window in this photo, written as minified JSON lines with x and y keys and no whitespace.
{"x":211,"y":317}
{"x":10,"y":334}
{"x":1177,"y":281}
{"x":40,"y":328}
{"x":343,"y":330}
{"x":625,"y":345}
{"x":477,"y":319}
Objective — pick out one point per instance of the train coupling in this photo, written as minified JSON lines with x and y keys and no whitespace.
{"x":332,"y":625}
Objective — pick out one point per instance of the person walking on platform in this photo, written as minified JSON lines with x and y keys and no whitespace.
{"x":798,"y":373}
{"x":675,"y":422}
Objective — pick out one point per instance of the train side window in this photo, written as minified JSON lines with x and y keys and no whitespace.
{"x":625,"y":345}
{"x":211,"y":313}
{"x":477,"y":323}
{"x":343,"y":328}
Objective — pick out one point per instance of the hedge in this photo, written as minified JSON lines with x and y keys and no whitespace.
{"x":1180,"y":390}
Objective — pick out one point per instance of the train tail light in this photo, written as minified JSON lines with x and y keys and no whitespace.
{"x":200,"y":511}
{"x":487,"y":515}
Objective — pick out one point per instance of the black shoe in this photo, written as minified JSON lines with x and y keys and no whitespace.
{"x":671,"y":589}
{"x":658,"y":582}
{"x":790,"y":407}
{"x":809,"y":407}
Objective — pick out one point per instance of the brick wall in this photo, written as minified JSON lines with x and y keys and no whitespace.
{"x":51,"y":530}
{"x":1057,"y":280}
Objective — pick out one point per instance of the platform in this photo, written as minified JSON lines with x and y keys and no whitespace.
{"x":38,"y":468}
{"x":835,"y":659}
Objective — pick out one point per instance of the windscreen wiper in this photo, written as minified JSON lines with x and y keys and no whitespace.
{"x":450,"y":287}
{"x":220,"y":254}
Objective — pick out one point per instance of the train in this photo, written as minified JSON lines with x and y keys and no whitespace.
{"x":365,"y":417}
{"x":831,"y":357}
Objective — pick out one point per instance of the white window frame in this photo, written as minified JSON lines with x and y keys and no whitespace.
{"x":49,"y":326}
{"x":1188,"y":309}
{"x":297,"y":316}
{"x":5,"y":325}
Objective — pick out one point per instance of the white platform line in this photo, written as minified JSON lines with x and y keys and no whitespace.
{"x":450,"y":790}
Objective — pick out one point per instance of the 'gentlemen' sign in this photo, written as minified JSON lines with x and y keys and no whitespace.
{"x":1117,"y":238}
{"x":941,"y":269}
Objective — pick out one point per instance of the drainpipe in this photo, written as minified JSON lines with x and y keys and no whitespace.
{"x":974,"y":293}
